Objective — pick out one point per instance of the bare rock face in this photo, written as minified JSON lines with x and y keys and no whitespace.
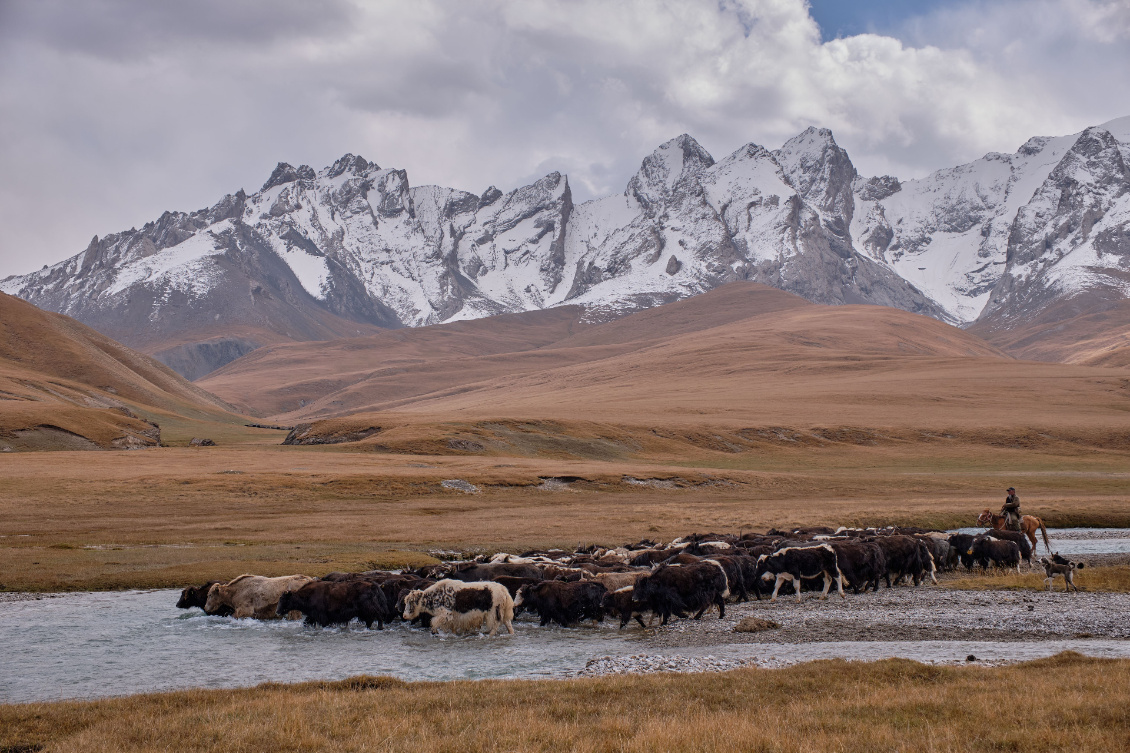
{"x":307,"y":434}
{"x":1008,"y":237}
{"x":1071,"y":239}
{"x":315,"y":253}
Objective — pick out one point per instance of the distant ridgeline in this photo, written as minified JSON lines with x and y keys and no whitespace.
{"x":340,"y":252}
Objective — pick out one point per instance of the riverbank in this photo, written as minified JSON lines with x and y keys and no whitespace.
{"x":825,"y":705}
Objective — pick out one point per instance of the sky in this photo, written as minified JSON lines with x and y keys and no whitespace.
{"x":113,"y":111}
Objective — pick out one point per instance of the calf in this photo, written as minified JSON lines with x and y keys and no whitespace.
{"x":562,"y":602}
{"x":986,"y":550}
{"x":939,"y":547}
{"x":1060,"y":566}
{"x":395,"y":589}
{"x":461,"y":607}
{"x":252,"y":595}
{"x":680,"y":589}
{"x":802,"y":563}
{"x":336,"y":603}
{"x":926,"y":558}
{"x":197,"y":596}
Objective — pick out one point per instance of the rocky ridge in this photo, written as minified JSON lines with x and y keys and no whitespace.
{"x":340,"y":251}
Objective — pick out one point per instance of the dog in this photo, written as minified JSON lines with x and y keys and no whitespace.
{"x":1058,"y":565}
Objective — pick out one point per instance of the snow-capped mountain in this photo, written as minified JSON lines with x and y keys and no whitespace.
{"x":1002,"y":238}
{"x":335,"y":252}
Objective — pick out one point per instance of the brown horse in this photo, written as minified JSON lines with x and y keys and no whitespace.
{"x":1029,"y":524}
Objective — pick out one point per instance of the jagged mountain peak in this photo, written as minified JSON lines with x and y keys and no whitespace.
{"x":662,"y":170}
{"x":315,"y":255}
{"x":1096,"y":149}
{"x":491,"y":195}
{"x":811,"y":147}
{"x":820,"y":171}
{"x":351,"y":163}
{"x":286,"y":173}
{"x":1033,"y":146}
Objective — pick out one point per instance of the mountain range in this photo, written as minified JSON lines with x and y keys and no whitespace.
{"x":1010,"y":242}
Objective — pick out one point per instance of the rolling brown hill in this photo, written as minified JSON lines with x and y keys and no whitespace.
{"x":739,"y":361}
{"x":317,"y":377}
{"x":303,"y":380}
{"x":726,"y":370}
{"x":1098,"y":337}
{"x":65,"y":386}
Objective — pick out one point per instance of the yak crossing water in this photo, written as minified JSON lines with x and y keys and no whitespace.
{"x":105,"y":644}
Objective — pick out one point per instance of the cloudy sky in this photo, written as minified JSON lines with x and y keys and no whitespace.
{"x":112,"y":111}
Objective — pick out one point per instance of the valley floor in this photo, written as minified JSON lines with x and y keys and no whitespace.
{"x":172,"y":516}
{"x":167,"y":517}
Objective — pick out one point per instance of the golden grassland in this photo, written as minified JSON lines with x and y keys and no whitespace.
{"x":1110,"y":579}
{"x":171,"y":516}
{"x":1067,"y":702}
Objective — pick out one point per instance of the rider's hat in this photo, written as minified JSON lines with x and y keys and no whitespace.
{"x":1010,"y":489}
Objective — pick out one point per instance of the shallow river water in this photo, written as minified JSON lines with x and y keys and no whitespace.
{"x":104,"y":644}
{"x":101,"y":644}
{"x":1078,"y":542}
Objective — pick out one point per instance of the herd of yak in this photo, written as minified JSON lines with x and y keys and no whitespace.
{"x":683,"y":578}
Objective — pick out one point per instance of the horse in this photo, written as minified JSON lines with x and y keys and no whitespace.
{"x":1029,"y":524}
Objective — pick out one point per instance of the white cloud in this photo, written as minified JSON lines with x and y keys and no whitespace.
{"x":114,"y":110}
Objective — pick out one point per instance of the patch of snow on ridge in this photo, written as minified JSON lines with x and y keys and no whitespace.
{"x":183,"y":267}
{"x":947,"y":234}
{"x":312,"y":271}
{"x":1085,"y":267}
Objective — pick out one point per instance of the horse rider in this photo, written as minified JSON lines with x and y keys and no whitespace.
{"x":1011,"y":510}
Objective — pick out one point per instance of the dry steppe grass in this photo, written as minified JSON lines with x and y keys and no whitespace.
{"x":171,"y":516}
{"x":1112,"y":579}
{"x":1067,"y":702}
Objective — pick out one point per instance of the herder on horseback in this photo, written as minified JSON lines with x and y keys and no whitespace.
{"x":1011,"y":519}
{"x":1011,"y":510}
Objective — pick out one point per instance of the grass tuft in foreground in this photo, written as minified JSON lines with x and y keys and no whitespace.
{"x":1067,"y":702}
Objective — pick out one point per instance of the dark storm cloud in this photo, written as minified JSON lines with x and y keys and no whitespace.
{"x":122,"y":30}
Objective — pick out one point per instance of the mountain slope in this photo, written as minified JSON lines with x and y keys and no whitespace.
{"x":63,"y":385}
{"x":343,"y":251}
{"x":312,"y":253}
{"x":1096,"y":336}
{"x":303,"y":381}
{"x":1004,"y":239}
{"x":728,"y":371}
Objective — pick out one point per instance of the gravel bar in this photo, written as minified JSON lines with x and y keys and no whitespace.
{"x":914,"y":614}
